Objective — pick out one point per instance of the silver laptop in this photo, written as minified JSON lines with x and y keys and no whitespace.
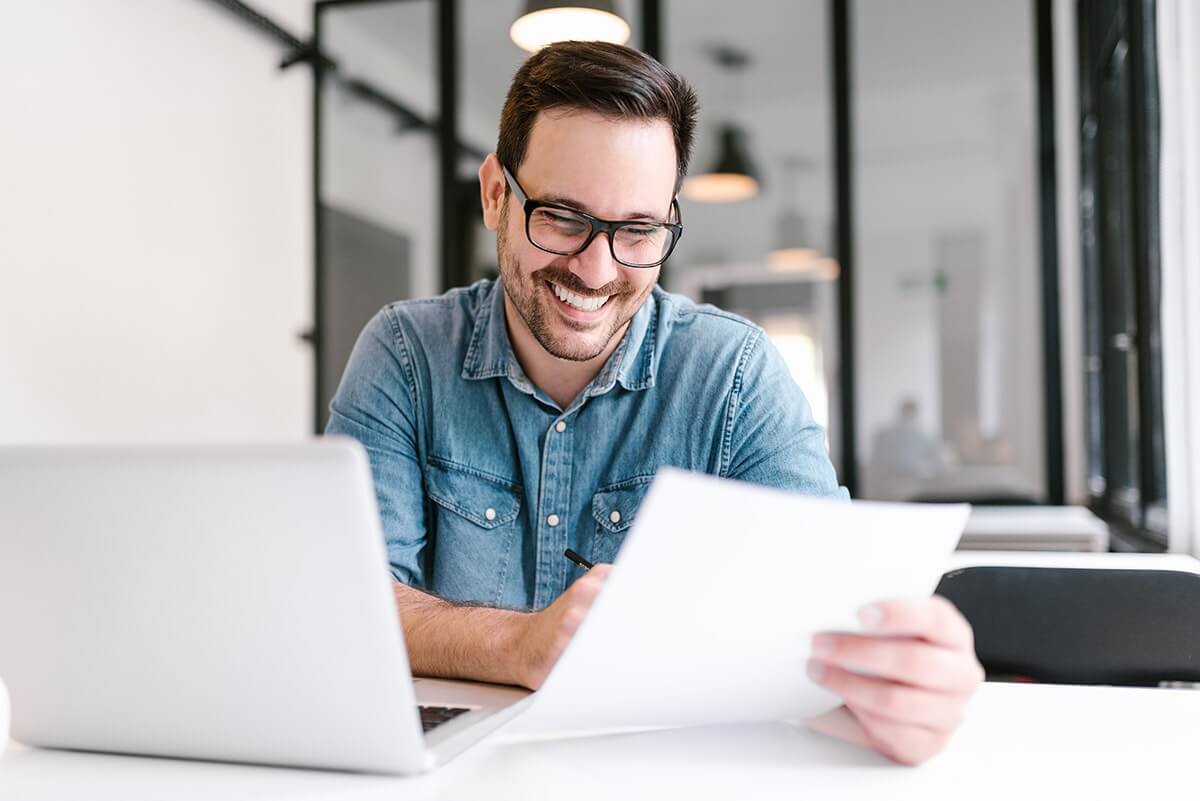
{"x":224,"y":603}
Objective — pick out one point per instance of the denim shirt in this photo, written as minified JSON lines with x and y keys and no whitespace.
{"x":483,"y":480}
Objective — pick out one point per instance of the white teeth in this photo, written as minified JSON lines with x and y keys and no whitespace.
{"x":578,"y":301}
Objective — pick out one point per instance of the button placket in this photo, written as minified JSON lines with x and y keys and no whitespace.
{"x":553,"y":513}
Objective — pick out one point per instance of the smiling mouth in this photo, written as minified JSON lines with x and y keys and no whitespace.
{"x":579,"y":302}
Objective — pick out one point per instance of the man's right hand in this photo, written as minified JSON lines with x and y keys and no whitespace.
{"x":544,"y":635}
{"x":480,"y":643}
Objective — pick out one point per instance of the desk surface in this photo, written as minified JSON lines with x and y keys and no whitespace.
{"x":1107,"y":561}
{"x":1019,"y":741}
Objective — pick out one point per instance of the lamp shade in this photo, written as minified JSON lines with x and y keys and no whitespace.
{"x":793,"y":247}
{"x":545,"y":22}
{"x":732,"y":178}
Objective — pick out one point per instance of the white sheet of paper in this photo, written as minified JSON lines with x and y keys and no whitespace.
{"x":709,"y":612}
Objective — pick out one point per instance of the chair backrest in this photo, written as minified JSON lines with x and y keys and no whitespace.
{"x":997,"y":498}
{"x":1081,"y":626}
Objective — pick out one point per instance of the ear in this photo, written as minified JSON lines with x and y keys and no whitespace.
{"x":491,"y":191}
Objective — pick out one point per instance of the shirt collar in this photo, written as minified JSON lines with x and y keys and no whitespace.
{"x":490,"y":354}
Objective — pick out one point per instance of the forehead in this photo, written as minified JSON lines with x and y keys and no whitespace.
{"x":612,"y":168}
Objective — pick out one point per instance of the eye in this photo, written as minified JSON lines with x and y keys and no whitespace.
{"x":560,"y":220}
{"x":642,"y":233}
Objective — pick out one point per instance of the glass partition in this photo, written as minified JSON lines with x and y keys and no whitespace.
{"x":948,"y":287}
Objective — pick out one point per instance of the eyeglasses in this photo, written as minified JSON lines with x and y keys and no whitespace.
{"x":565,"y":231}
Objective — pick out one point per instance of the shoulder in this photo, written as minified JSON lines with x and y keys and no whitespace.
{"x":703,"y":329}
{"x":443,"y":318}
{"x":701,"y":318}
{"x":425,"y":335}
{"x":436,"y":330}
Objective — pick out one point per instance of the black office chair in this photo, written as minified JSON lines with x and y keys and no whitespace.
{"x":1081,"y":626}
{"x":997,"y":498}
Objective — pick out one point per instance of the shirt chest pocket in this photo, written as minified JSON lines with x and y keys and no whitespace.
{"x":614,"y":508}
{"x":475,"y":521}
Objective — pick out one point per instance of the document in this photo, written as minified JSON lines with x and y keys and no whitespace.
{"x":709,"y":612}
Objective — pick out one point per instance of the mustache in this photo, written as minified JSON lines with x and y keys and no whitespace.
{"x":569,"y":281}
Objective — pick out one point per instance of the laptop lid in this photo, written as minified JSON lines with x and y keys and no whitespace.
{"x":226,"y":603}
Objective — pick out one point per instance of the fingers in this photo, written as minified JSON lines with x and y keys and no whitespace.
{"x":577,"y":601}
{"x":595,"y":576}
{"x":840,"y":724}
{"x":906,"y":744}
{"x":587,"y":587}
{"x":908,"y":679}
{"x":935,"y":620}
{"x":908,"y":661}
{"x":547,"y":633}
{"x":899,"y":703}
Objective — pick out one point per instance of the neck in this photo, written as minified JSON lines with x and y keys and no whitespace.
{"x":561,"y":379}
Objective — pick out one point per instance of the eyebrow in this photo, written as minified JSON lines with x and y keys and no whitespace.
{"x":575,"y":204}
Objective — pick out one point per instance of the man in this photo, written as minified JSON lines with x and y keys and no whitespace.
{"x":903,"y":457}
{"x":510,"y":420}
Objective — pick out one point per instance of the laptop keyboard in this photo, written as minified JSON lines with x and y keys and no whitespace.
{"x":434,"y":716}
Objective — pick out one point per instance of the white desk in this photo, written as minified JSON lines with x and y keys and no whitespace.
{"x":1034,"y":528}
{"x":1107,"y":561}
{"x":1019,"y":741}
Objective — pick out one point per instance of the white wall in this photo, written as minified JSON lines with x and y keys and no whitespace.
{"x":1179,"y":73}
{"x":155,"y":265}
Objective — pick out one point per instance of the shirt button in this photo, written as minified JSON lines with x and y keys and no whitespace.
{"x":489,"y":513}
{"x":560,"y":426}
{"x":615,"y":516}
{"x":552,"y":521}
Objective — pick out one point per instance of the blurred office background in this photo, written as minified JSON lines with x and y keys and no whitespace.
{"x":947,"y":214}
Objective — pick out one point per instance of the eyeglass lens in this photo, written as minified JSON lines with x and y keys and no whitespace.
{"x":563,"y":232}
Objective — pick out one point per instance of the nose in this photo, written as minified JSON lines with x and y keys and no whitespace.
{"x":595,"y":265}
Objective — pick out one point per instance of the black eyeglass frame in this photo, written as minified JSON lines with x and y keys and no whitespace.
{"x":598,"y":226}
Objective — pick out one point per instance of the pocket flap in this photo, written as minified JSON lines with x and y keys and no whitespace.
{"x":615,"y":507}
{"x":484,"y":501}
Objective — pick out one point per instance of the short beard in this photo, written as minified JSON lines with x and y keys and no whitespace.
{"x":522,"y":291}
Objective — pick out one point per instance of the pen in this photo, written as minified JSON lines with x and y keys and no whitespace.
{"x":577,"y":559}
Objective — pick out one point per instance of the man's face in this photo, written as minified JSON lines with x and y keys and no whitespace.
{"x":614,"y":170}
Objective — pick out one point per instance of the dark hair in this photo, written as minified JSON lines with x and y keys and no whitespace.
{"x":607,"y":79}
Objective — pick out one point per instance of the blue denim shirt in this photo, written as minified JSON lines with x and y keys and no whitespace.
{"x":483,"y":480}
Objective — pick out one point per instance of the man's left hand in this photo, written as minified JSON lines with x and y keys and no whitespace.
{"x":907,"y":679}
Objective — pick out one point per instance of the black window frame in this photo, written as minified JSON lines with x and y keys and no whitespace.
{"x":1119,"y":228}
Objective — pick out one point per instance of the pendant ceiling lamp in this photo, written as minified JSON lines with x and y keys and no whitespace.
{"x":545,"y":22}
{"x":796,"y":250}
{"x":733,"y":176}
{"x":793,"y":251}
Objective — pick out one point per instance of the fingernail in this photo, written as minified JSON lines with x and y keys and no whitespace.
{"x":870,"y":616}
{"x":816,"y":670}
{"x":822,"y":645}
